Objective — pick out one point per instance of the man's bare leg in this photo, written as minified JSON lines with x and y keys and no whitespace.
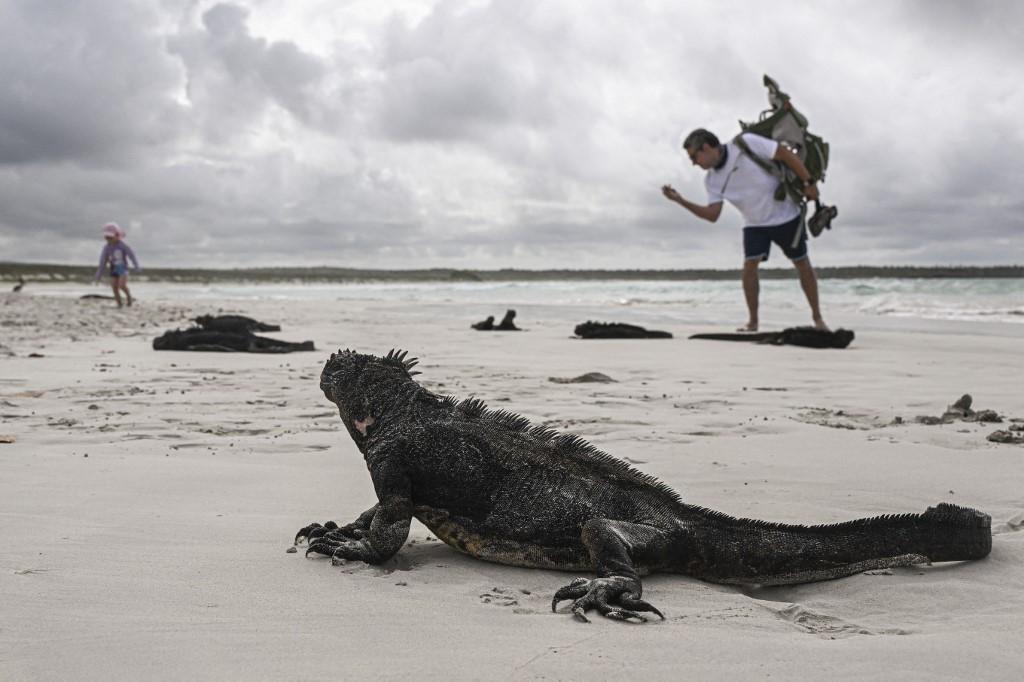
{"x":751,"y":291}
{"x":809,"y":283}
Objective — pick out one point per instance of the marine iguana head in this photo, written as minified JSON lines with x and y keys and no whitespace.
{"x":362,"y":386}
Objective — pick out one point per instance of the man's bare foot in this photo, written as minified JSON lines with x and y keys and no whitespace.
{"x":820,"y":324}
{"x":748,"y":327}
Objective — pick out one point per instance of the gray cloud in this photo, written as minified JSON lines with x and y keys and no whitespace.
{"x":492,"y":134}
{"x":81,"y":85}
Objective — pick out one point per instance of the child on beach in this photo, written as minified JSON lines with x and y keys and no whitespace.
{"x":114,"y":258}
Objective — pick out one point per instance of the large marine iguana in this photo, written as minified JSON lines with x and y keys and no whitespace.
{"x":490,"y":484}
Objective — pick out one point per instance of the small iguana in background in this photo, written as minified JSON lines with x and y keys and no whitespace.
{"x":492,"y":485}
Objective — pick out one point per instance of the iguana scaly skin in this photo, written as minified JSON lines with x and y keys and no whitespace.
{"x":490,"y":484}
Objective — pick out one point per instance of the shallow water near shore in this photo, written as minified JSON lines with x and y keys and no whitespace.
{"x":981,"y":306}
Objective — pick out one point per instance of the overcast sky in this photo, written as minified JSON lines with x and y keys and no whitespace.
{"x":509,"y":133}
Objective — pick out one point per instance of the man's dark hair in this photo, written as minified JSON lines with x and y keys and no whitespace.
{"x":699,"y":137}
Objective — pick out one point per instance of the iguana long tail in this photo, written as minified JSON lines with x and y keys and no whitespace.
{"x":750,"y":337}
{"x":741,"y":551}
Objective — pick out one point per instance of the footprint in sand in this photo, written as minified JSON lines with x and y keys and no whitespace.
{"x":499,"y":596}
{"x":1013,"y":524}
{"x":507,"y":597}
{"x":829,"y":627}
{"x":396,"y":563}
{"x":700,"y":405}
{"x":727,"y":613}
{"x":228,"y":431}
{"x":838,"y":419}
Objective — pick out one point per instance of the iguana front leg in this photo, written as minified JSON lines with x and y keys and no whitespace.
{"x":388,"y":531}
{"x":351,"y":531}
{"x":388,"y":527}
{"x":614,"y":546}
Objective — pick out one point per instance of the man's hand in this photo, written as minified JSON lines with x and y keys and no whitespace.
{"x":671,"y":194}
{"x":793,"y":162}
{"x":709,"y":213}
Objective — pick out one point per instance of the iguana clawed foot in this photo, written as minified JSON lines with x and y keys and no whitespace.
{"x":599,"y":593}
{"x":329,"y":530}
{"x":337,"y":542}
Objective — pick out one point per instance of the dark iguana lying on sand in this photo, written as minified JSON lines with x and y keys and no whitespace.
{"x":225,"y":342}
{"x":484,"y":325}
{"x":493,"y":486}
{"x":507,"y":323}
{"x":617,"y":330}
{"x":808,"y":337}
{"x":234,"y":324}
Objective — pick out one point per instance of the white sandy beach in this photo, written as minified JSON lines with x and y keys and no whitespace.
{"x":148,"y":499}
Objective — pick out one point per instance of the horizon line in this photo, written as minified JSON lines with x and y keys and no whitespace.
{"x":12,"y":270}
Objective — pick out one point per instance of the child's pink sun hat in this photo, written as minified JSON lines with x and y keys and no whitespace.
{"x":112,"y":230}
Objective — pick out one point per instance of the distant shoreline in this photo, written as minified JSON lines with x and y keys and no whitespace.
{"x":44,"y":272}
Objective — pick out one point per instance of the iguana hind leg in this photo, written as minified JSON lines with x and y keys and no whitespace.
{"x":615,"y":547}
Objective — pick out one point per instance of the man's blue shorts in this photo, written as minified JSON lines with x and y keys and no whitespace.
{"x":757,"y":241}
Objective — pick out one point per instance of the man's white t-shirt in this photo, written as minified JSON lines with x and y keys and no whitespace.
{"x":748,"y":187}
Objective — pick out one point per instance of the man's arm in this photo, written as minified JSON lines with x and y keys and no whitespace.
{"x":710,"y":212}
{"x":797,"y":166}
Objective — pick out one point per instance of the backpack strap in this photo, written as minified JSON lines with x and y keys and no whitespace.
{"x":773,"y":169}
{"x":766,"y":165}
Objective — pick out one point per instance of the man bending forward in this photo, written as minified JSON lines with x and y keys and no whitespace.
{"x":734,"y":177}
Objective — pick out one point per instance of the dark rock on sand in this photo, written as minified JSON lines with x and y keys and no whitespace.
{"x":807,"y":337}
{"x":961,"y":410}
{"x":1006,"y":436}
{"x":225,"y":342}
{"x":617,"y":330}
{"x":588,"y":378}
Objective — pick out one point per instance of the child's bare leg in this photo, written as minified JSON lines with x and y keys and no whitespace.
{"x":115,"y":285}
{"x":124,"y":286}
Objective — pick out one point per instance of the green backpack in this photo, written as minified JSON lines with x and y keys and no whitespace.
{"x":788,"y":126}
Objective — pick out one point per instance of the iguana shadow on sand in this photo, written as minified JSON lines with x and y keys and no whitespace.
{"x":492,"y":485}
